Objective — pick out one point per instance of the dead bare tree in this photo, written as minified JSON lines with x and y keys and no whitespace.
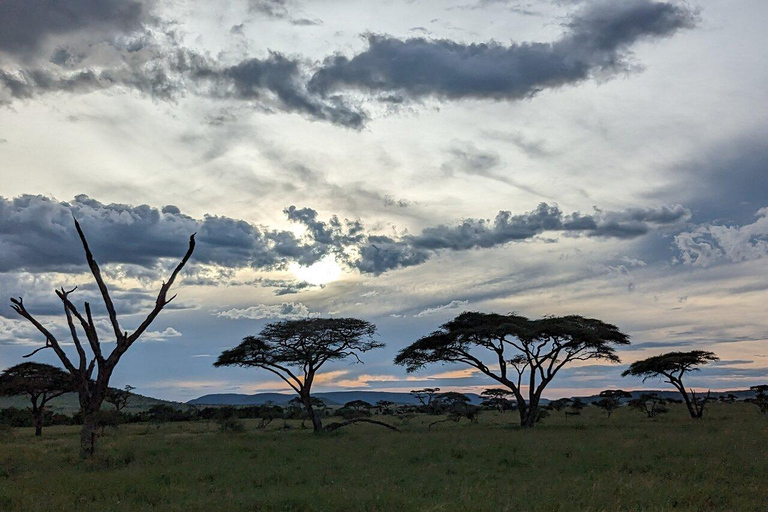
{"x":92,"y":391}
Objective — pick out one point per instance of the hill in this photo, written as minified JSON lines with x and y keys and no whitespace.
{"x":330,"y":398}
{"x":341,"y":397}
{"x":68,"y":403}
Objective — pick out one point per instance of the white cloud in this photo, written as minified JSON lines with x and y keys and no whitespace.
{"x":454,"y":304}
{"x":710,"y":243}
{"x":286,"y":310}
{"x":169,"y":332}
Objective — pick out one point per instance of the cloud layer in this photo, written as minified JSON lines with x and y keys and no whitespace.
{"x":145,"y":56}
{"x":37,"y":234}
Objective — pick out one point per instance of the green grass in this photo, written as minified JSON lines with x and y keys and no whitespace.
{"x":588,"y":463}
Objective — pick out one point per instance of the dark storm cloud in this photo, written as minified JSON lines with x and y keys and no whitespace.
{"x":596,"y":41}
{"x":26,"y":24}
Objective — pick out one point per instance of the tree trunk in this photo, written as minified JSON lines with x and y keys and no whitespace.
{"x":88,"y":435}
{"x":528,"y":416}
{"x":317,"y":423}
{"x":37,"y":418}
{"x":691,"y":407}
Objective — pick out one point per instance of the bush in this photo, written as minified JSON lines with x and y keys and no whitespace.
{"x":231,"y":425}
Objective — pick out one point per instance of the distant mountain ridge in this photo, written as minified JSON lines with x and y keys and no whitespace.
{"x":330,"y":398}
{"x":341,"y":397}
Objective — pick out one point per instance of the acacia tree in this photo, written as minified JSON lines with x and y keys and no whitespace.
{"x":497,"y":398}
{"x":610,"y":399}
{"x":528,"y":353}
{"x":761,"y":397}
{"x":295,"y":350}
{"x":456,"y":406}
{"x":385,"y":406}
{"x":92,"y":391}
{"x":426,"y":397}
{"x":119,"y":397}
{"x":40,"y":382}
{"x":650,"y":403}
{"x":672,"y":366}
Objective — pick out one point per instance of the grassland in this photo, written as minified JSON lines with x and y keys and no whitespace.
{"x":587,"y":463}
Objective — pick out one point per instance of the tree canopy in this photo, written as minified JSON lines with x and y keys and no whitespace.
{"x":528,"y":353}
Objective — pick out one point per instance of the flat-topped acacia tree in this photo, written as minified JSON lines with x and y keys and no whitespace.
{"x":521,"y":354}
{"x":295,"y":350}
{"x":40,"y":382}
{"x":672,"y":366}
{"x":92,"y":391}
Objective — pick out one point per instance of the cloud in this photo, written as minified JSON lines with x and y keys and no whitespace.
{"x":26,"y":25}
{"x":37,"y":234}
{"x":169,"y":332}
{"x":596,"y":42}
{"x":453,"y":305}
{"x":711,"y":243}
{"x":381,"y":253}
{"x":270,"y":8}
{"x":155,"y":63}
{"x":284,"y":311}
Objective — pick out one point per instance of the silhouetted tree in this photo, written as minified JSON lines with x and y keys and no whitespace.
{"x":559,"y":404}
{"x":761,"y":397}
{"x":385,"y":406}
{"x":92,"y":391}
{"x":40,"y":382}
{"x":610,"y":400}
{"x":456,"y":406}
{"x":649,"y":403}
{"x":119,"y":397}
{"x":358,"y":405}
{"x":427,"y":397}
{"x":528,"y":353}
{"x":575,"y":408}
{"x":673,"y":366}
{"x":295,"y":350}
{"x":496,"y":398}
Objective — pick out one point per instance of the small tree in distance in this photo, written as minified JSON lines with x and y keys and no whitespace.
{"x":610,"y":400}
{"x":761,"y":397}
{"x":426,"y":397}
{"x":672,"y":366}
{"x":40,"y":382}
{"x":649,"y":403}
{"x":295,"y":350}
{"x":119,"y":397}
{"x":497,"y":398}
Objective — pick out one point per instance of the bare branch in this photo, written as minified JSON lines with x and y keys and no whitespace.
{"x":161,"y":301}
{"x":100,"y":282}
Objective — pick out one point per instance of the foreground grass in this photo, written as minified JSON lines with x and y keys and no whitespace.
{"x":589,"y":463}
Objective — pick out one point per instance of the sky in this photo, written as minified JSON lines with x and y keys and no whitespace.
{"x":398,"y":161}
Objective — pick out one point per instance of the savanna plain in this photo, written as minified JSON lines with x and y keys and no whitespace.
{"x":586,"y":463}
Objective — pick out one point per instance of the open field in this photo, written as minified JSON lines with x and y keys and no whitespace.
{"x":588,"y":463}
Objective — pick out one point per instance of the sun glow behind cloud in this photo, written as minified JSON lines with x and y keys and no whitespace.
{"x":323,"y":272}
